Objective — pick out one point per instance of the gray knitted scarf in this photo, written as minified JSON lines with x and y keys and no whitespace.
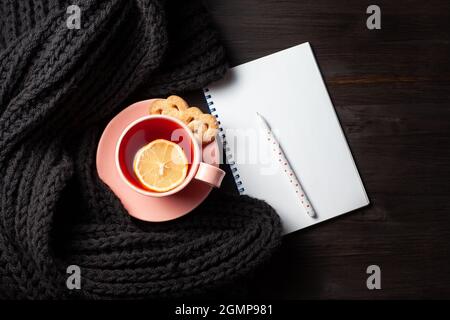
{"x":58,"y":89}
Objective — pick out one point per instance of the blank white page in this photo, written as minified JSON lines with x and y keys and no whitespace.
{"x":287,"y":89}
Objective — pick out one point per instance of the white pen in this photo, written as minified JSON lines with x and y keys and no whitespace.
{"x":278,"y":152}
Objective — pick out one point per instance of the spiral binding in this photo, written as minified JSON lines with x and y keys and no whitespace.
{"x":228,"y":155}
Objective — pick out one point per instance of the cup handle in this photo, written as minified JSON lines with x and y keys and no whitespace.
{"x":210,"y":174}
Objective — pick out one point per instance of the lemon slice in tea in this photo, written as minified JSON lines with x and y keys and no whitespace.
{"x":161,"y":165}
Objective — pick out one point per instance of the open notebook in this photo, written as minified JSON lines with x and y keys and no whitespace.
{"x":288,"y":90}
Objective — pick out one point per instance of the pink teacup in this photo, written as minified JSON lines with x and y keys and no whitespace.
{"x":146,"y":129}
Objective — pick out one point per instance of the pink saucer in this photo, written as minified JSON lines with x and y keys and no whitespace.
{"x":138,"y":205}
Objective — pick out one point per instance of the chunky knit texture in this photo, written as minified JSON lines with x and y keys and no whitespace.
{"x":58,"y":89}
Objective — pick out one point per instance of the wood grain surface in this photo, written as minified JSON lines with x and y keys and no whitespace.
{"x":391,"y":91}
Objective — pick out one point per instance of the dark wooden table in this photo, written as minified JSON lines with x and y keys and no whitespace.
{"x":391,"y":90}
